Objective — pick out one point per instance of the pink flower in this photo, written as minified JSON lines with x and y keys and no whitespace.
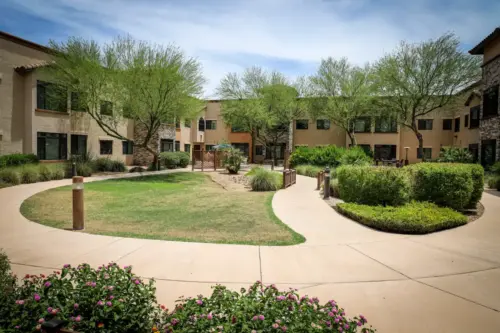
{"x":283,"y":328}
{"x":108,"y":303}
{"x":331,"y":314}
{"x":111,"y":288}
{"x":275,"y":325}
{"x":174,"y":321}
{"x":106,"y":276}
{"x":36,"y":297}
{"x":111,"y":297}
{"x":78,"y":318}
{"x":100,"y":303}
{"x":41,"y":321}
{"x":17,"y":327}
{"x":137,"y":281}
{"x":54,"y":311}
{"x":38,"y":327}
{"x":66,"y":266}
{"x":359,"y":323}
{"x":261,"y":317}
{"x":346,"y":326}
{"x":209,"y":316}
{"x":20,"y":302}
{"x":75,"y":306}
{"x":278,"y":321}
{"x":199,"y":302}
{"x":49,"y":309}
{"x":47,"y":284}
{"x":337,"y":320}
{"x":363,"y":319}
{"x":255,"y":318}
{"x":280,"y":298}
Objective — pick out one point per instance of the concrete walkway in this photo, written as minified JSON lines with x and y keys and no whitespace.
{"x":443,"y":282}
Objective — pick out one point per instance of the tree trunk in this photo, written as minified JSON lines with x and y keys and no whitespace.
{"x":352,"y":137}
{"x":273,"y":158}
{"x":254,"y":141}
{"x":420,"y":139}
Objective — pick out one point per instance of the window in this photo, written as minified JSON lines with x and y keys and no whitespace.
{"x":488,"y":152}
{"x":201,"y":125}
{"x":474,"y":116}
{"x":323,"y":124}
{"x":243,"y":147}
{"x":363,"y":125}
{"x":425,"y":124}
{"x":367,"y":149}
{"x":177,"y":146}
{"x":237,"y":129}
{"x":259,"y":150}
{"x":78,"y":145}
{"x":209,"y":147}
{"x":166,"y":145}
{"x":76,"y":102}
{"x":427,"y":153}
{"x":50,"y":96}
{"x":127,"y":147}
{"x":106,"y":147}
{"x":385,"y":152}
{"x":187,"y":123}
{"x":106,"y":108}
{"x":474,"y":150}
{"x":385,"y":125}
{"x":211,"y":124}
{"x":177,"y":124}
{"x":490,"y":102}
{"x":52,"y":146}
{"x":457,"y":124}
{"x":187,"y":148}
{"x":447,"y":124}
{"x":466,"y":121}
{"x":302,"y":124}
{"x":279,"y":152}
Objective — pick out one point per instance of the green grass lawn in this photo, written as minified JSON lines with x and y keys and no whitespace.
{"x":179,"y":206}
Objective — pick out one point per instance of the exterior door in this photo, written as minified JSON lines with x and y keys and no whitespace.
{"x":488,"y":152}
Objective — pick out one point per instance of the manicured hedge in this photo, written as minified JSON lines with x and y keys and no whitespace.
{"x":412,"y":218}
{"x":17,"y":159}
{"x":104,"y":164}
{"x":374,"y":185}
{"x":448,"y":184}
{"x":331,"y":156}
{"x":308,"y":170}
{"x":174,"y":159}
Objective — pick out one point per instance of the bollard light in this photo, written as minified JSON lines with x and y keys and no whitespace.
{"x":78,"y":208}
{"x":326,"y":185}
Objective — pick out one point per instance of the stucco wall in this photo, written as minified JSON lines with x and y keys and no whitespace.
{"x":12,"y":97}
{"x":491,"y":50}
{"x":312,"y":136}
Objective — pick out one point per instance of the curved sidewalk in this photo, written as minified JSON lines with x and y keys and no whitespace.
{"x":447,"y":281}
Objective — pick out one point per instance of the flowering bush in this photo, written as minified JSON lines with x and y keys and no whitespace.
{"x":90,"y":300}
{"x":259,"y":309}
{"x":113,"y":299}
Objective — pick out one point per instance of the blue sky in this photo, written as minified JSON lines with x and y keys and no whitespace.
{"x":291,"y":36}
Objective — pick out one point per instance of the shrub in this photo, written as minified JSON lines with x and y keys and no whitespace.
{"x":170,"y":160}
{"x":57,"y":171}
{"x":455,"y":155}
{"x":137,"y":169}
{"x":260,"y":309}
{"x":183,"y":159}
{"x":232,"y":160}
{"x":308,"y":170}
{"x":266,"y":180}
{"x":45,"y":173}
{"x":495,"y":168}
{"x":355,"y":156}
{"x":102,"y":164}
{"x":446,"y":184}
{"x":29,"y":174}
{"x":477,"y":174}
{"x":84,"y":169}
{"x":334,"y":188}
{"x":374,"y":185}
{"x":494,"y":182}
{"x":17,"y":159}
{"x":318,"y":156}
{"x":118,"y":166}
{"x":412,"y":218}
{"x":7,"y":287}
{"x":10,"y":176}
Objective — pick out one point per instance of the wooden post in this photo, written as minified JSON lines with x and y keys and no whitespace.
{"x":202,"y":157}
{"x":326,"y":186}
{"x":215,"y":160}
{"x":193,"y":160}
{"x":78,"y":207}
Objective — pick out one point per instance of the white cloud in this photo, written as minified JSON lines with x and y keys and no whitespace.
{"x":301,"y":31}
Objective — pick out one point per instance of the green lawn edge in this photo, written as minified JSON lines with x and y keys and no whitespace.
{"x":346,"y":209}
{"x":26,"y":210}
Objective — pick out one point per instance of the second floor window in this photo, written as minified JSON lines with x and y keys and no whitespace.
{"x":237,"y":129}
{"x":187,"y":123}
{"x":76,"y":102}
{"x":363,"y":125}
{"x":50,"y":96}
{"x":457,"y":124}
{"x":385,"y":125}
{"x":302,"y":124}
{"x":323,"y":124}
{"x":474,"y":116}
{"x":425,"y":124}
{"x":211,"y":124}
{"x":490,"y":102}
{"x":447,"y":124}
{"x":106,"y":108}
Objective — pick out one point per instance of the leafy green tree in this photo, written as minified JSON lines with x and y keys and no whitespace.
{"x":341,"y":92}
{"x":262,"y":103}
{"x":417,"y":79}
{"x":151,"y":84}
